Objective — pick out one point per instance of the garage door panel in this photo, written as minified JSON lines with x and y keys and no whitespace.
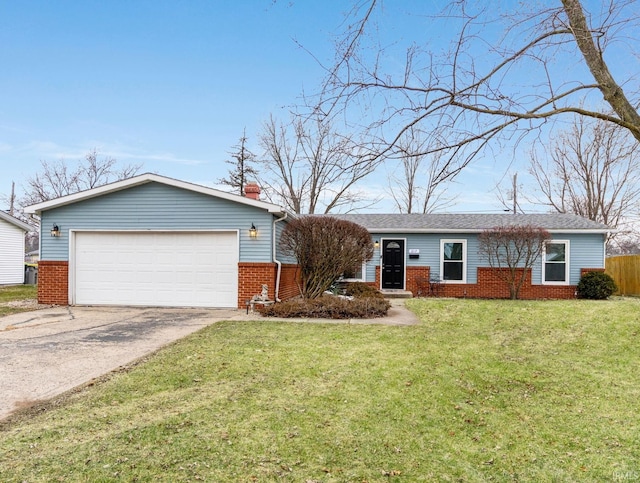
{"x":160,"y":269}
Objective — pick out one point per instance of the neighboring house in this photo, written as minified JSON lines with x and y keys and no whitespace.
{"x":443,"y":249}
{"x":12,"y":232}
{"x":157,"y":241}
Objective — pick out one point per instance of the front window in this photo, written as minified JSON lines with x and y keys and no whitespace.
{"x":453,"y":260}
{"x":356,"y":274}
{"x":556,"y":263}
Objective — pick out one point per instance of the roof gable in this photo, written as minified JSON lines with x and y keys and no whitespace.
{"x":471,"y":223}
{"x":14,"y":221}
{"x":150,"y":178}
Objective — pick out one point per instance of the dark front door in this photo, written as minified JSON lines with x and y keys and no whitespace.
{"x":393,"y":264}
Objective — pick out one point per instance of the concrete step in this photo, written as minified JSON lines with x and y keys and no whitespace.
{"x":396,"y":294}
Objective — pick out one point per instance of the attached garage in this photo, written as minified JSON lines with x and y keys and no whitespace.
{"x":172,"y":269}
{"x":157,"y":241}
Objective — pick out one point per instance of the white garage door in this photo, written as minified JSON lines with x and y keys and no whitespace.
{"x":167,"y":269}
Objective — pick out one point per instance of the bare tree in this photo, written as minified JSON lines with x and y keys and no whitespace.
{"x":512,"y":250}
{"x":505,"y":74}
{"x":243,"y":169}
{"x":592,"y":170}
{"x":60,"y":178}
{"x":417,"y":187}
{"x":310,"y":168}
{"x":324,"y":247}
{"x":626,"y":245}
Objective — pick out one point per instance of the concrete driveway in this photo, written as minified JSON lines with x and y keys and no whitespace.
{"x":47,"y":352}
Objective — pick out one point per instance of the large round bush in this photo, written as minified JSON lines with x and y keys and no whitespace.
{"x":596,"y":286}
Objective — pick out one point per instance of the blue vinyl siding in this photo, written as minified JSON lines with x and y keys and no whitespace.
{"x":586,"y":251}
{"x":429,"y":246}
{"x":155,"y":206}
{"x":280,"y":226}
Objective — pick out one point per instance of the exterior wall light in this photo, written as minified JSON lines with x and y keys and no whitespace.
{"x":253,"y":231}
{"x":55,"y":231}
{"x":376,"y":244}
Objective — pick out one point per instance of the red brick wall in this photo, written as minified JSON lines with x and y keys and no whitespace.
{"x":251,"y":276}
{"x":53,"y":282}
{"x":289,"y":278}
{"x":489,"y":285}
{"x":414,"y":274}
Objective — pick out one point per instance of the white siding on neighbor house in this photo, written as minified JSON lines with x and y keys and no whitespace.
{"x":11,"y":254}
{"x":155,"y":206}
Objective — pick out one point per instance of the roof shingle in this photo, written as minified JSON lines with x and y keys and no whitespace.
{"x":459,"y":222}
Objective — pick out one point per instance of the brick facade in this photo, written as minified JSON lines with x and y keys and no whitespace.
{"x":53,"y":282}
{"x":289,"y":278}
{"x":251,"y":276}
{"x":415,"y":277}
{"x":489,"y":285}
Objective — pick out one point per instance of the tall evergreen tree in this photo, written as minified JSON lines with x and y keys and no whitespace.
{"x":242,"y":170}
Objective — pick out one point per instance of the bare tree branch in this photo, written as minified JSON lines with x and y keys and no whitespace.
{"x":484,"y":89}
{"x":60,"y":178}
{"x":418,"y":186}
{"x":592,"y":170}
{"x":512,"y":251}
{"x":311,"y":168}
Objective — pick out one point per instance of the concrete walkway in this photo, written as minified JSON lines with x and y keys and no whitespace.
{"x":47,"y":352}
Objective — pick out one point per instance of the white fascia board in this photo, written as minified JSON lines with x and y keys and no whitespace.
{"x":149,"y":178}
{"x":14,"y":221}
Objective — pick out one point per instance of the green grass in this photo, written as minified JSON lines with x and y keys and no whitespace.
{"x":480,"y":391}
{"x":11,"y":293}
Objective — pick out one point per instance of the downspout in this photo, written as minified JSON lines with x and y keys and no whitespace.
{"x":277,"y":262}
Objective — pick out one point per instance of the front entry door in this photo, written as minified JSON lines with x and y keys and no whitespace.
{"x":393,"y":264}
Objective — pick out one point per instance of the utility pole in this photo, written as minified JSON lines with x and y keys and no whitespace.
{"x":12,"y":198}
{"x":515,"y":193}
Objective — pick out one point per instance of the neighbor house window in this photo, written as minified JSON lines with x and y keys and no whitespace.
{"x":556,"y":262}
{"x":453,"y":260}
{"x":356,"y":274}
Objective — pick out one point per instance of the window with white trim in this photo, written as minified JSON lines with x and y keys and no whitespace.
{"x":356,"y":274}
{"x":555,"y":268}
{"x":453,"y":261}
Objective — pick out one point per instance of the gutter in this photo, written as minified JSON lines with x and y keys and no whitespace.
{"x":277,"y":262}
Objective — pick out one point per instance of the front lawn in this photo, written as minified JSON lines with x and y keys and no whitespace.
{"x":17,"y":298}
{"x":481,"y":390}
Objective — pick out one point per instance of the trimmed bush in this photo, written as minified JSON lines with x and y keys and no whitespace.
{"x":596,"y":286}
{"x":362,"y":290}
{"x":329,"y":307}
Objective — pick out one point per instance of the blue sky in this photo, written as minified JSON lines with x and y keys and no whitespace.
{"x":170,"y":84}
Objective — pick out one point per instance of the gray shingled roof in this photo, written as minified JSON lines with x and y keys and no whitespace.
{"x":459,"y":222}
